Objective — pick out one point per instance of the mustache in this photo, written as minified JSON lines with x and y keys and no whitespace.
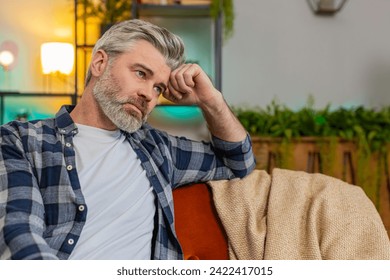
{"x":137,"y":102}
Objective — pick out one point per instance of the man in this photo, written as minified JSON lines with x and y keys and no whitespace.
{"x":96,"y":181}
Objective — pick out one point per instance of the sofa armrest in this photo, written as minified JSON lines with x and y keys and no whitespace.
{"x":198,"y":227}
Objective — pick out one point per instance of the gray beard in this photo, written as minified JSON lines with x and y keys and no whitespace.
{"x":105,"y":91}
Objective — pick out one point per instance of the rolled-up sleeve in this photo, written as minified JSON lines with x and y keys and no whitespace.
{"x":203,"y":161}
{"x":237,"y":156}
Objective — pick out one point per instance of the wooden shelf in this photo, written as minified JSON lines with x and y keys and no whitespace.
{"x":145,"y":10}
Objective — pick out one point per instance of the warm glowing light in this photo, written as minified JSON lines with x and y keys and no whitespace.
{"x":6,"y":58}
{"x":57,"y":57}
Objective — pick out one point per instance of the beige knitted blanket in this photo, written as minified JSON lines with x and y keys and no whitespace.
{"x":296,"y":215}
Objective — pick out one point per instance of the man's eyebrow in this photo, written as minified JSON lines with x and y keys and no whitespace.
{"x":150,"y":72}
{"x":144,"y":67}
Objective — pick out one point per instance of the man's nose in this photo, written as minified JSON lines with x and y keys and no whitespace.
{"x":146,"y":92}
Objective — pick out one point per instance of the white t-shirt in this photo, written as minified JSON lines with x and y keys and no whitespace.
{"x":118,"y":195}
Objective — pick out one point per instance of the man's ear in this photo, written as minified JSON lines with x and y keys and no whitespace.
{"x":99,"y":63}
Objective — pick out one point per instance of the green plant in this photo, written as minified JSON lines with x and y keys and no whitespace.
{"x":226,"y":8}
{"x":107,"y":11}
{"x":112,"y":11}
{"x":368,"y":128}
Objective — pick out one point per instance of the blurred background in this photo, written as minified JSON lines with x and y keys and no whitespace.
{"x":279,"y":49}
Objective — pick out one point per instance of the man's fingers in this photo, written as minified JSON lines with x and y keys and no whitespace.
{"x":172,"y":94}
{"x":182,"y":79}
{"x":187,"y":75}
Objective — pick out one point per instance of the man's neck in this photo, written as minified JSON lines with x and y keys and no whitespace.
{"x":88,"y":112}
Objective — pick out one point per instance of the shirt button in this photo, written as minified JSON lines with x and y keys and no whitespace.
{"x":69,"y":167}
{"x":68,"y":145}
{"x":63,"y":130}
{"x":70,"y":241}
{"x":81,"y":208}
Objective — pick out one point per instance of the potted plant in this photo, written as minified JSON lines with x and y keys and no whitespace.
{"x":112,"y":11}
{"x":334,"y":142}
{"x":107,"y":11}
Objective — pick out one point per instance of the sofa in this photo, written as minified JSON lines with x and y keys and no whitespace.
{"x":197,"y":224}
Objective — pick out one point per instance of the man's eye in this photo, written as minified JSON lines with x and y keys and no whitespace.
{"x":159,"y":90}
{"x":140,"y":74}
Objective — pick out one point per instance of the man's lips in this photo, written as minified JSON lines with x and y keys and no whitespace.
{"x":131,"y":108}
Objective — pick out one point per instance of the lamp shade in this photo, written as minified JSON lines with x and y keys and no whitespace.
{"x":326,"y":7}
{"x":57,"y":57}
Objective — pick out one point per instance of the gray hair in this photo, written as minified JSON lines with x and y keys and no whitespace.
{"x":121,"y":37}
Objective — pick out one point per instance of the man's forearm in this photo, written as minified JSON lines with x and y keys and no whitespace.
{"x":222,"y":123}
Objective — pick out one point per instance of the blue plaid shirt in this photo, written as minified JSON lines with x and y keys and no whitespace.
{"x":42,"y":208}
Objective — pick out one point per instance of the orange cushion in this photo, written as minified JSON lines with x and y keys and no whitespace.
{"x":198,"y":227}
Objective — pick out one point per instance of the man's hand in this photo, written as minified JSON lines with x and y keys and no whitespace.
{"x":190,"y":85}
